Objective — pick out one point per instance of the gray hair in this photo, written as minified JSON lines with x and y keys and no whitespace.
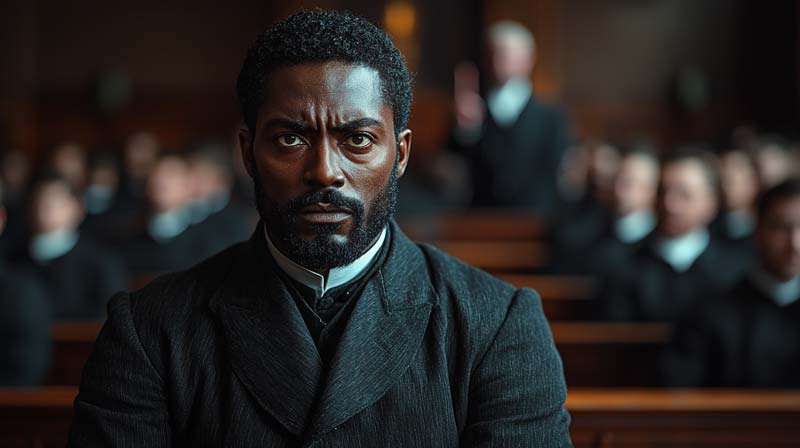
{"x":513,"y":30}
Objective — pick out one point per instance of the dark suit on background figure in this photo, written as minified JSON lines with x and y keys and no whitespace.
{"x":750,"y":335}
{"x":512,"y":142}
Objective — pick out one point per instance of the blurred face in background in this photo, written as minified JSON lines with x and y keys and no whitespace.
{"x":54,"y":208}
{"x":778,"y":237}
{"x":15,"y":172}
{"x":69,"y":161}
{"x":208,"y":179}
{"x":141,"y":154}
{"x":604,"y":162}
{"x":168,"y":186}
{"x":740,"y":183}
{"x":775,"y":164}
{"x":510,"y":57}
{"x":636,"y":184}
{"x":687,"y":200}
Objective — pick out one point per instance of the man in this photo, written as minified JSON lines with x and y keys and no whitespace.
{"x":750,"y":336}
{"x":679,"y":264}
{"x":24,"y":323}
{"x":78,"y":274}
{"x":329,"y":327}
{"x":219,"y":220}
{"x":513,"y":144}
{"x":161,"y":238}
{"x":634,"y":196}
{"x":740,"y":187}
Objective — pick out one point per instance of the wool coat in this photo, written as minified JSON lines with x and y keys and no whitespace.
{"x":435,"y":353}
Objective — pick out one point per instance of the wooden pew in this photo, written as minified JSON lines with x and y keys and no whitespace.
{"x":37,"y":418}
{"x":601,"y":418}
{"x":479,"y":224}
{"x":594,"y":354}
{"x":564,"y":298}
{"x":613,"y":418}
{"x":499,"y":256}
{"x":598,"y":354}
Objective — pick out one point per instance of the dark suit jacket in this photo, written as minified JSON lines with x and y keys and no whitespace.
{"x":436,"y":353}
{"x":79,"y":283}
{"x":648,"y":289}
{"x":742,"y":339}
{"x":516,"y":167}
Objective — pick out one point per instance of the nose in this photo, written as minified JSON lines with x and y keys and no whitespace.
{"x":323,"y":168}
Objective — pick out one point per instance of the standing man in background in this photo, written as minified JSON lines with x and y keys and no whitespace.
{"x":513,"y":144}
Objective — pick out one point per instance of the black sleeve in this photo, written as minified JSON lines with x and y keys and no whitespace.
{"x":517,"y":392}
{"x":121,"y":402}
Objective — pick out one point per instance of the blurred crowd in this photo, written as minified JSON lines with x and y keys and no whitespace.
{"x":705,"y":237}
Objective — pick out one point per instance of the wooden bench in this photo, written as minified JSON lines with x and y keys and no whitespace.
{"x":499,"y":256}
{"x":564,"y":298}
{"x":594,"y":354}
{"x":598,"y":354}
{"x":612,"y":418}
{"x":601,"y":418}
{"x":476,"y":225}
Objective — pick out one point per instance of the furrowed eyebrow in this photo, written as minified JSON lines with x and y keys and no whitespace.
{"x":293,"y":125}
{"x":356,"y":124}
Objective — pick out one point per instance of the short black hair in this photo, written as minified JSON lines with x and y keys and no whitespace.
{"x":787,"y":189}
{"x":316,"y":36}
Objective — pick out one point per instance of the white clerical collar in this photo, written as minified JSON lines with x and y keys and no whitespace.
{"x":680,"y":252}
{"x":165,"y":226}
{"x":49,"y":246}
{"x":634,"y":226}
{"x":506,"y":102}
{"x":783,"y":293}
{"x":336,"y":276}
{"x":739,"y":223}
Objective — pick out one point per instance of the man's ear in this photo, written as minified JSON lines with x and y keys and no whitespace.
{"x":246,"y":147}
{"x":403,"y":151}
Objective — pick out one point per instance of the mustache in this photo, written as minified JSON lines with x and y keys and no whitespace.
{"x":333,"y":197}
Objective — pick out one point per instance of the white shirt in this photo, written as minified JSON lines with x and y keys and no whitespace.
{"x":336,"y":276}
{"x":49,"y":246}
{"x":506,"y":102}
{"x":681,"y":252}
{"x":783,"y":293}
{"x":167,"y":225}
{"x":634,"y":226}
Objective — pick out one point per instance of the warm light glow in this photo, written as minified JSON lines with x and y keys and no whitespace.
{"x":400,"y":18}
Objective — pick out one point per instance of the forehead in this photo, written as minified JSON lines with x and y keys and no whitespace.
{"x":688,"y":172}
{"x":337,"y":90}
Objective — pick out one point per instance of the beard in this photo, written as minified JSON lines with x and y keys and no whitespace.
{"x":326,"y":250}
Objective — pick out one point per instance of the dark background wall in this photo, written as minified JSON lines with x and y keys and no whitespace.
{"x":614,"y":63}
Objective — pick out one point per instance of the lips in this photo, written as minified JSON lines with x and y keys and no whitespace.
{"x":322,"y":213}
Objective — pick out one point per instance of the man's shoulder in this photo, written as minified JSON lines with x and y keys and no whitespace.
{"x":471,"y":290}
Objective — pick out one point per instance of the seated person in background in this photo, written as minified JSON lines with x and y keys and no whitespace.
{"x":78,"y":274}
{"x":775,"y":160}
{"x":635,"y":188}
{"x":69,"y":161}
{"x":679,"y":264}
{"x":740,"y":188}
{"x":586,"y":189}
{"x":24,"y":324}
{"x":220,"y":221}
{"x":750,"y":336}
{"x":106,"y":215}
{"x":512,"y":142}
{"x":162,"y":238}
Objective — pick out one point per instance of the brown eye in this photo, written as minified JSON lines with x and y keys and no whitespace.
{"x":289,"y":140}
{"x":359,"y":140}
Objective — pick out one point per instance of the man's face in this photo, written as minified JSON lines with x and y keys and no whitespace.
{"x":778,"y":237}
{"x":686,"y":199}
{"x":54,"y":208}
{"x":636,"y":184}
{"x":325,"y":161}
{"x":740,"y":183}
{"x":509,"y":59}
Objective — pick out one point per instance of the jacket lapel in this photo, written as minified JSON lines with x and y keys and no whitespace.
{"x":270,"y":348}
{"x":381,"y":338}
